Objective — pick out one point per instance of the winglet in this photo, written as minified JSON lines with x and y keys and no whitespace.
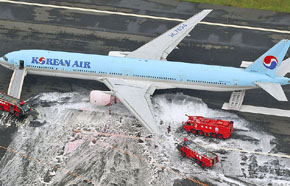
{"x":274,"y":89}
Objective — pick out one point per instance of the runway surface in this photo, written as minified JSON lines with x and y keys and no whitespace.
{"x":31,"y":27}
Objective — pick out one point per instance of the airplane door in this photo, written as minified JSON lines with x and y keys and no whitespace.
{"x":127,"y":72}
{"x":16,"y":63}
{"x":181,"y":78}
{"x":235,"y":82}
{"x":21,"y":64}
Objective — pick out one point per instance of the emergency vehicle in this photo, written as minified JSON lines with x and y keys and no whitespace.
{"x":209,"y":127}
{"x":13,"y":105}
{"x":198,"y":154}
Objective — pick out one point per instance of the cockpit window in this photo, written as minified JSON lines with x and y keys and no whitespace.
{"x":5,"y":58}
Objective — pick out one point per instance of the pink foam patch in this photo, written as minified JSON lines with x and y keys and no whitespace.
{"x":71,"y":146}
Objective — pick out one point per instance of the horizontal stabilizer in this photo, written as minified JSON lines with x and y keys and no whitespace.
{"x":274,"y":89}
{"x":284,"y":68}
{"x":246,"y":64}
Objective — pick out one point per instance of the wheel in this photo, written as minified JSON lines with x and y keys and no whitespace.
{"x":182,"y":154}
{"x":213,"y":135}
{"x":220,"y":136}
{"x":197,"y":162}
{"x":16,"y":114}
{"x":202,"y":165}
{"x":206,"y":134}
{"x":200,"y":133}
{"x":193,"y":131}
{"x":1,"y":108}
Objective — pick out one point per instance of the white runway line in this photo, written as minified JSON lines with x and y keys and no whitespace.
{"x":143,"y":16}
{"x":259,"y":153}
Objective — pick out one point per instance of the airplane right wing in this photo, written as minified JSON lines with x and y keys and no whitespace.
{"x":160,"y":47}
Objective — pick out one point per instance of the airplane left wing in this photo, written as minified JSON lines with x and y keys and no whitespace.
{"x":160,"y":47}
{"x":136,"y":97}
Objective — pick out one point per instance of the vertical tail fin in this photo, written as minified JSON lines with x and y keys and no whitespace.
{"x":269,"y":62}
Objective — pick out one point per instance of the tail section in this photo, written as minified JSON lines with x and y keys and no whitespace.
{"x":269,"y":62}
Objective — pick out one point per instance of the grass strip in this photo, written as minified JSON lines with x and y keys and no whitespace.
{"x":273,"y":5}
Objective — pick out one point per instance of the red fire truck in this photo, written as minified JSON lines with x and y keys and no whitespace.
{"x":13,"y":105}
{"x":209,"y":127}
{"x":198,"y":154}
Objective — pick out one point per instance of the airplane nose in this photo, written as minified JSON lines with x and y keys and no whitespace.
{"x":5,"y":63}
{"x":1,"y":60}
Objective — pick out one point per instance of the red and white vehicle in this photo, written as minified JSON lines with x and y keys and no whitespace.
{"x":209,"y":127}
{"x":13,"y":105}
{"x":198,"y":154}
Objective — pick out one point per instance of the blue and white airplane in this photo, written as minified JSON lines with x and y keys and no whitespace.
{"x":133,"y":77}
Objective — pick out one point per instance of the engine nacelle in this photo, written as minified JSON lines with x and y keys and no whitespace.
{"x":101,"y":98}
{"x":119,"y":53}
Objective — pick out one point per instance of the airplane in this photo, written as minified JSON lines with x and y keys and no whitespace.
{"x":133,"y":76}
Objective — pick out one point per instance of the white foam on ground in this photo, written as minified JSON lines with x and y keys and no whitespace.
{"x":106,"y":166}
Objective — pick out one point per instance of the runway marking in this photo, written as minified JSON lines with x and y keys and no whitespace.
{"x":260,"y":153}
{"x":142,"y":16}
{"x":46,"y":163}
{"x":149,"y":139}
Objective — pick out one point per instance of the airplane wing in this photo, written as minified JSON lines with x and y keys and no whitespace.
{"x":136,"y":97}
{"x":160,"y":47}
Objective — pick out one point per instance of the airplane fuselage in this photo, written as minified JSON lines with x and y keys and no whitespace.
{"x":162,"y":74}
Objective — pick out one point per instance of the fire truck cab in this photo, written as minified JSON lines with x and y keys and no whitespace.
{"x":209,"y":127}
{"x":13,"y":105}
{"x":198,"y":154}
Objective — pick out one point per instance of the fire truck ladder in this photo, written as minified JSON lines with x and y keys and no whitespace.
{"x":16,"y":83}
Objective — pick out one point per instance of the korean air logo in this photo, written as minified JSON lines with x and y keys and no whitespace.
{"x":41,"y":60}
{"x":270,"y":62}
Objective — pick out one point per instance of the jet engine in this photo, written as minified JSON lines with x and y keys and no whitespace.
{"x":100,"y":98}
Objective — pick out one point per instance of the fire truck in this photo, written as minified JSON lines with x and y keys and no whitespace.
{"x":199,"y":125}
{"x":198,"y":154}
{"x":13,"y":105}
